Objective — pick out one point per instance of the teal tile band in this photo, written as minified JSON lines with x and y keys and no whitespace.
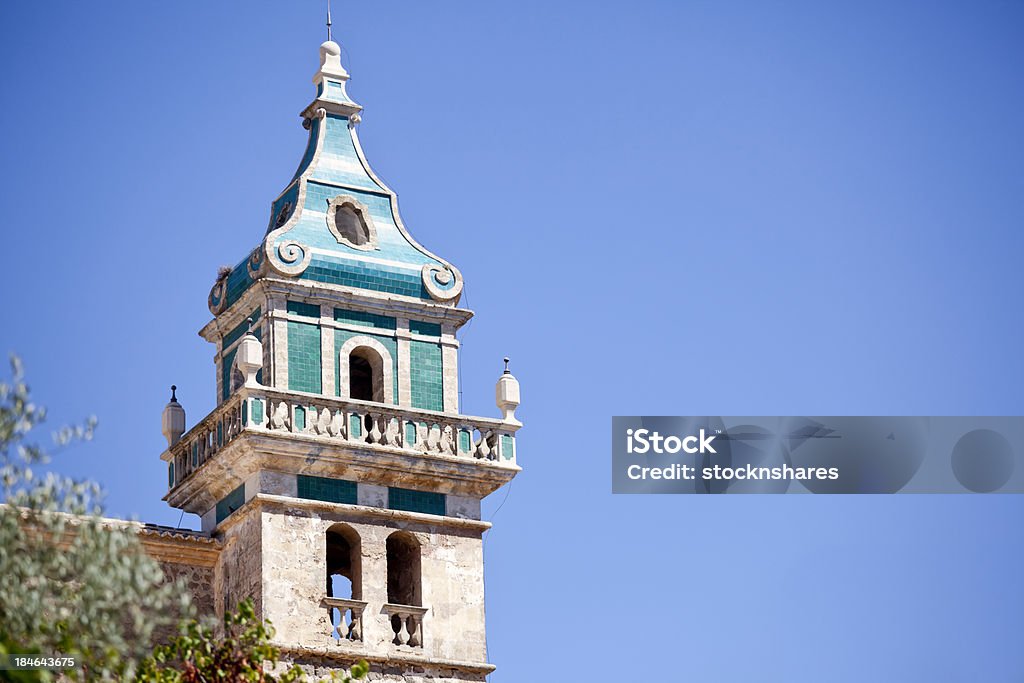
{"x":230,"y":503}
{"x":355,"y":274}
{"x":425,"y":375}
{"x":382,"y":322}
{"x":409,"y":500}
{"x":304,"y":357}
{"x":328,"y":490}
{"x":304,"y":309}
{"x":236,"y":334}
{"x":427,"y":329}
{"x":227,"y":363}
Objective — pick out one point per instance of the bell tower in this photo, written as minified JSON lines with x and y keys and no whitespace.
{"x":337,"y":471}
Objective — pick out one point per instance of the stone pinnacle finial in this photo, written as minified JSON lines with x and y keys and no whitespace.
{"x":173,"y":419}
{"x":506,"y":394}
{"x":249,"y":357}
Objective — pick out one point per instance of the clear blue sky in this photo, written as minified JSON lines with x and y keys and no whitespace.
{"x":659,"y":208}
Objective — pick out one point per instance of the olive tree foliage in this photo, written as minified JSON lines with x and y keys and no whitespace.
{"x":70,"y":582}
{"x":241,"y":651}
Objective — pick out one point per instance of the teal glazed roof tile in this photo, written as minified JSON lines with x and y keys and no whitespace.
{"x":310,"y":234}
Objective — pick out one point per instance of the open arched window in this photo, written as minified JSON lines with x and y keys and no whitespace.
{"x":404,"y":569}
{"x":366,"y":370}
{"x":343,"y":563}
{"x":361,"y":376}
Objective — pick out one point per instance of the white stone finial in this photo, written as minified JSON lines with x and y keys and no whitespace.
{"x":507,"y":396}
{"x":249,"y":358}
{"x":173,"y":419}
{"x":330,"y":61}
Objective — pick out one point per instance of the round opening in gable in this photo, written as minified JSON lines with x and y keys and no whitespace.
{"x":351,"y":225}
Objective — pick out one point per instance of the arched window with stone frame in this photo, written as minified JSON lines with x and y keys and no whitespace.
{"x":366,"y":370}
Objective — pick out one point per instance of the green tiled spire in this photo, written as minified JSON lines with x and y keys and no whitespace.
{"x":336,"y":222}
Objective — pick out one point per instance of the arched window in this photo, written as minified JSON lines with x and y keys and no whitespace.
{"x":361,"y":376}
{"x":404,"y":569}
{"x":343,"y":563}
{"x":366,"y":370}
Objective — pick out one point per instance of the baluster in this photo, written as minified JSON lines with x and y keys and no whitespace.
{"x":483,"y":450}
{"x":337,"y":424}
{"x":279,"y":418}
{"x":343,"y":626}
{"x":433,"y":438}
{"x":392,"y":437}
{"x":400,"y":633}
{"x":445,"y":444}
{"x":415,"y":635}
{"x":375,"y":434}
{"x":335,"y":632}
{"x":323,"y":422}
{"x":356,"y":627}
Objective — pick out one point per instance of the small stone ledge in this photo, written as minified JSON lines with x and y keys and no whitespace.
{"x":343,"y":657}
{"x":273,"y":501}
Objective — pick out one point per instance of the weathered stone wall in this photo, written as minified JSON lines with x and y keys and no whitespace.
{"x":239,"y":568}
{"x":318,"y":668}
{"x":199,"y":580}
{"x":294,"y":584}
{"x":274,"y":551}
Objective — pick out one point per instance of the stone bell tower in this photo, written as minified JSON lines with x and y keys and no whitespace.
{"x":337,"y":473}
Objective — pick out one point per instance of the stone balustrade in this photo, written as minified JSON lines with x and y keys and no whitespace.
{"x":406,"y":623}
{"x":349,"y":615}
{"x":338,"y":420}
{"x":203,"y":441}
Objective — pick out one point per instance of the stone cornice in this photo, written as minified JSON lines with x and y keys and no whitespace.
{"x":353,"y":653}
{"x":287,"y":503}
{"x":254,"y":450}
{"x":381,"y":303}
